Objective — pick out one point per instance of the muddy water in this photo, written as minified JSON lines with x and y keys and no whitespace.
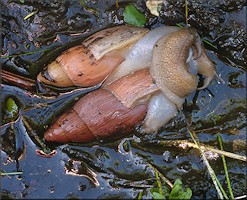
{"x":118,"y":169}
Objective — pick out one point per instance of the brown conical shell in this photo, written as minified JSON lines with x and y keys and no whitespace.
{"x":55,"y":75}
{"x":83,"y":69}
{"x":97,"y":115}
{"x":90,"y":63}
{"x":69,"y":127}
{"x":77,"y":66}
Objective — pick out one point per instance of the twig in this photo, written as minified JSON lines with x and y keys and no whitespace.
{"x":187,"y":144}
{"x":20,"y":81}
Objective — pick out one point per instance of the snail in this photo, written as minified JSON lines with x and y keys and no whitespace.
{"x":89,"y":63}
{"x":144,"y":87}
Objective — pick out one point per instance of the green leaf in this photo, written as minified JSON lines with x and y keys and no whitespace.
{"x":133,"y":17}
{"x":178,"y":182}
{"x":178,"y":192}
{"x":21,"y":1}
{"x":11,"y":106}
{"x":157,"y":195}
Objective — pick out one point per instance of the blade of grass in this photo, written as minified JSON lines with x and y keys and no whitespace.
{"x":186,"y":12}
{"x":24,"y":54}
{"x":10,"y":173}
{"x":179,"y":25}
{"x":209,"y":43}
{"x":158,"y":181}
{"x":221,"y":192}
{"x":225,"y":168}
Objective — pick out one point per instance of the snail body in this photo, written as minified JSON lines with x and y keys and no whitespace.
{"x":147,"y":85}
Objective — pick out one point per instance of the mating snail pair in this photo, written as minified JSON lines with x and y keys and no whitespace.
{"x":146,"y":77}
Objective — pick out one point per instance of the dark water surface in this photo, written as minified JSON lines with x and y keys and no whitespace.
{"x":118,"y":169}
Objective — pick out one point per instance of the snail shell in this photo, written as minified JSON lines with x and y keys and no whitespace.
{"x":89,"y":63}
{"x":145,"y":93}
{"x":100,"y":113}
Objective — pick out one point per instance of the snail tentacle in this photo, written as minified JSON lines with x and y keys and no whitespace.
{"x":206,"y":68}
{"x":197,"y":47}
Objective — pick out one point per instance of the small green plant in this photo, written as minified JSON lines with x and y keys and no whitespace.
{"x":11,"y":107}
{"x":178,"y":191}
{"x":133,"y":17}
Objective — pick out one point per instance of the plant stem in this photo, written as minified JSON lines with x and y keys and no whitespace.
{"x":225,"y":168}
